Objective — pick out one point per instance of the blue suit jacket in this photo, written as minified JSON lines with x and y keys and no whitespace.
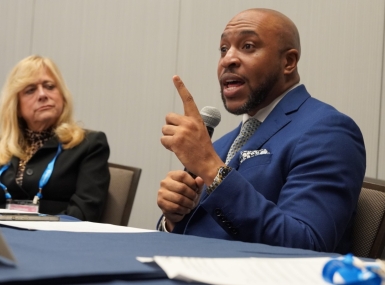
{"x":302,"y":194}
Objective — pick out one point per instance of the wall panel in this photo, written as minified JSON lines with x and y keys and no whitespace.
{"x":16,"y":19}
{"x":342,"y":63}
{"x":118,"y":58}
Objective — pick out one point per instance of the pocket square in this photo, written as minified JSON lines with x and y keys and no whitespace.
{"x":246,"y":154}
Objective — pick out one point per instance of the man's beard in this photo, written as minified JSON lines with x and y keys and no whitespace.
{"x":256,"y":96}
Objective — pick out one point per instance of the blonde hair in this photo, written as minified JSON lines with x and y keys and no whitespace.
{"x":12,"y":142}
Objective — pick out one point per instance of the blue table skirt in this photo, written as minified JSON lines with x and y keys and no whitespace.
{"x":46,"y":257}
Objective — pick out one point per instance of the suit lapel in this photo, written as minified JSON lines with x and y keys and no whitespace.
{"x":275,"y":121}
{"x":12,"y":184}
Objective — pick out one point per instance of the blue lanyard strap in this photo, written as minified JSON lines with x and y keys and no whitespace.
{"x":48,"y":172}
{"x":351,"y":270}
{"x":43,"y":180}
{"x":7,"y":195}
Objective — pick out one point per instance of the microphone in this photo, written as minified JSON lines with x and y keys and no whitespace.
{"x":211,"y":117}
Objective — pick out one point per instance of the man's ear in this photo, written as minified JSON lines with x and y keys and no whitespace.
{"x":291,"y":61}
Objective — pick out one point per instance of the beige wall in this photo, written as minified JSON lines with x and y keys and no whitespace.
{"x":118,"y":57}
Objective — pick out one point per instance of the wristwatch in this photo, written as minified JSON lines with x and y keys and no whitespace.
{"x":223,"y":171}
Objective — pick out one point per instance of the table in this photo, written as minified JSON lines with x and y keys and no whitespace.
{"x":53,"y":257}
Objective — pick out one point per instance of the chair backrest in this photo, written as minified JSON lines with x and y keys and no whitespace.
{"x":369,"y":223}
{"x":121,"y":194}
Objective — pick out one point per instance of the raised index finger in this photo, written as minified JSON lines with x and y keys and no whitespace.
{"x":190,"y":108}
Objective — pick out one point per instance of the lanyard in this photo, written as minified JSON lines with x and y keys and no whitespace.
{"x":7,"y":195}
{"x":43,"y":180}
{"x":46,"y":176}
{"x":349,"y":269}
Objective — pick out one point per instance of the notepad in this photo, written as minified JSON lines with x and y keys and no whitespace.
{"x":27,"y":217}
{"x":243,"y":271}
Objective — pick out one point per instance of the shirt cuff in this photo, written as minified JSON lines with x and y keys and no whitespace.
{"x":162,"y":225}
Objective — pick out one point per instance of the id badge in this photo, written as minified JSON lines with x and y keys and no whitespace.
{"x":23,"y":205}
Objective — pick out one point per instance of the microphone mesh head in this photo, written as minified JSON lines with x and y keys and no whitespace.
{"x":211,"y":116}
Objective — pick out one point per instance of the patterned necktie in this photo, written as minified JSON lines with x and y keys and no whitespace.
{"x":247,"y":130}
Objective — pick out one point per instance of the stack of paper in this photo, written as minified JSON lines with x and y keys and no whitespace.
{"x":243,"y":271}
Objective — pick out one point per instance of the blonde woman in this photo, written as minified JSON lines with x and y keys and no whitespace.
{"x":48,"y":163}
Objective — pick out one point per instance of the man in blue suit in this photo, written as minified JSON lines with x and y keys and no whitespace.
{"x":295,"y":182}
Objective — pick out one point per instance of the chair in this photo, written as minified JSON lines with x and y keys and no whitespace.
{"x":369,"y":223}
{"x":121,"y":194}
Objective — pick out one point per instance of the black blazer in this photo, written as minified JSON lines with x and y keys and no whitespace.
{"x":79,"y":182}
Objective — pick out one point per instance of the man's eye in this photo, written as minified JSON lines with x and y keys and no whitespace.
{"x":248,"y":46}
{"x":223,"y":49}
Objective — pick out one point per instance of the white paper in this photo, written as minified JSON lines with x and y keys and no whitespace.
{"x":244,"y":271}
{"x":88,"y":227}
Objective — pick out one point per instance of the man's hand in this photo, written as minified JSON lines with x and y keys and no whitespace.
{"x":179,"y":193}
{"x":188,"y":138}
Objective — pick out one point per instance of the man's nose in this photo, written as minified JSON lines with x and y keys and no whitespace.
{"x":230,"y":59}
